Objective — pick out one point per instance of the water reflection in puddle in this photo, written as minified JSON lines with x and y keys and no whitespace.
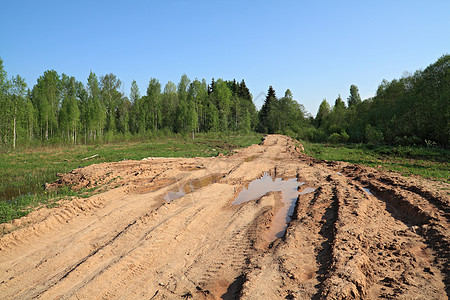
{"x":289,"y":192}
{"x":260,"y":187}
{"x":308,"y":190}
{"x":191,"y":186}
{"x":368,"y":191}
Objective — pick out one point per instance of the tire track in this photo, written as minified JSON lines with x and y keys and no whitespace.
{"x":429,"y":223}
{"x":425,"y":212}
{"x":327,"y":231}
{"x":419,"y":246}
{"x":341,"y":243}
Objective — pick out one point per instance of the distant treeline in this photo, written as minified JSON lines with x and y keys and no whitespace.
{"x":62,"y":108}
{"x":411,"y":110}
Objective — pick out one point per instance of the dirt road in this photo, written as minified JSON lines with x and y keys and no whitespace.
{"x":168,"y":229}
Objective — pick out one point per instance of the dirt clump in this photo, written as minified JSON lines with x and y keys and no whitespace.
{"x":360,"y":233}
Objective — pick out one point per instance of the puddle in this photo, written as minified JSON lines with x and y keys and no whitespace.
{"x":369,"y":192}
{"x":289,"y":192}
{"x":308,"y":190}
{"x":250,"y":158}
{"x":191,"y":186}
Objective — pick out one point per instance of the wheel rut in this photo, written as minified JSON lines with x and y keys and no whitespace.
{"x":355,"y":233}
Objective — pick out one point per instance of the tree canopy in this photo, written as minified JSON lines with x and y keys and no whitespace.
{"x":414,"y":109}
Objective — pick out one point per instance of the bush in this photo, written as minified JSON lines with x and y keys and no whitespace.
{"x":338,"y":137}
{"x":334,"y":138}
{"x":344,"y":136}
{"x":430,"y":144}
{"x":290,"y":133}
{"x":313,"y":135}
{"x":407,"y":140}
{"x":374,"y":136}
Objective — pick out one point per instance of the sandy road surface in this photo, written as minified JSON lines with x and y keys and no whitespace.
{"x":390,"y":240}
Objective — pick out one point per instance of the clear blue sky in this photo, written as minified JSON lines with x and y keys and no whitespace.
{"x":317,"y":49}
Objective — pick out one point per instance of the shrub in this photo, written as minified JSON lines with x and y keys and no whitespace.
{"x":374,"y":136}
{"x":334,"y":138}
{"x":314,"y":135}
{"x":290,"y":133}
{"x":344,"y":136}
{"x":430,"y":144}
{"x":407,"y":140}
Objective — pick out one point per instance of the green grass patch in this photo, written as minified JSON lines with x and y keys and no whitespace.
{"x":24,"y":172}
{"x":431,"y":163}
{"x":22,"y":205}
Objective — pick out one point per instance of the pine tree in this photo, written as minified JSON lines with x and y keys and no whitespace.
{"x":267,"y":112}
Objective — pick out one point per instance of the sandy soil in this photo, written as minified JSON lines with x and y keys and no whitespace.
{"x":361,"y":234}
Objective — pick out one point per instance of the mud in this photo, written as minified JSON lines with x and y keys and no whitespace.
{"x":191,"y":186}
{"x":131,"y":241}
{"x":289,"y":193}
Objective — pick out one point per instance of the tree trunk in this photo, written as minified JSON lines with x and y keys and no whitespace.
{"x":14,"y":133}
{"x":46,"y":130}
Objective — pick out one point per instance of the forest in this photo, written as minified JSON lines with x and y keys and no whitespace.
{"x":412,"y":110}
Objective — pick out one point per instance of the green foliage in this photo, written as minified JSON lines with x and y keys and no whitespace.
{"x":267,"y":121}
{"x":282,"y":115}
{"x":334,"y":138}
{"x":169,"y":103}
{"x":111,"y":98}
{"x":322,"y":113}
{"x":221,"y":97}
{"x":69,"y":114}
{"x":313,"y":134}
{"x":22,"y":205}
{"x":406,"y":111}
{"x":354,"y":98}
{"x":59,"y":108}
{"x":374,"y":136}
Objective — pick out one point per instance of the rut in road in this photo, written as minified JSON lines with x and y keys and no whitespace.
{"x":356,"y":233}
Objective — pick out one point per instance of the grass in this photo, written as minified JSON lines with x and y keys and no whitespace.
{"x":22,"y":205}
{"x":431,"y":163}
{"x":23,"y":173}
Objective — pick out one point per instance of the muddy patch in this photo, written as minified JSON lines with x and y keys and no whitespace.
{"x":191,"y":186}
{"x":289,"y":194}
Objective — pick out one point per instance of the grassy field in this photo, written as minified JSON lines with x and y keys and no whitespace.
{"x":23,"y":173}
{"x":431,"y":163}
